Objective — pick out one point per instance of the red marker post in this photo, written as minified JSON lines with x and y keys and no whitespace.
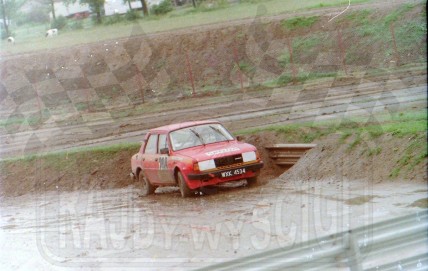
{"x":235,"y":53}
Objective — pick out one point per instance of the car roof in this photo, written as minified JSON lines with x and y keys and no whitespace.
{"x":176,"y":126}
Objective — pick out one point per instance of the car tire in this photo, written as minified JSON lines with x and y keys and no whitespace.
{"x":146,"y":187}
{"x":184,"y":189}
{"x":252,"y":181}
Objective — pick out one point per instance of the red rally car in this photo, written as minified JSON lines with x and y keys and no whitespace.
{"x":191,"y":155}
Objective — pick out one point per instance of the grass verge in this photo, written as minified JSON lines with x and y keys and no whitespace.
{"x":31,"y":38}
{"x":78,"y":156}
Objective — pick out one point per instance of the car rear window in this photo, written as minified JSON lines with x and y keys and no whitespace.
{"x":151,"y":144}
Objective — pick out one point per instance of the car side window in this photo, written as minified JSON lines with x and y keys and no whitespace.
{"x":151,"y":144}
{"x":162,"y":142}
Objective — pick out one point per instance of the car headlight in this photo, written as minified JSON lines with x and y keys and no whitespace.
{"x":249,"y":156}
{"x":206,"y":165}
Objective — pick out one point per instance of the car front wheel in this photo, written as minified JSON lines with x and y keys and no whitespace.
{"x":146,"y":187}
{"x":184,"y":189}
{"x":252,"y":181}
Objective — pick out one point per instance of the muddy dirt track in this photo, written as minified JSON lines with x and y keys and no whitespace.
{"x":305,"y":103}
{"x":118,"y":229}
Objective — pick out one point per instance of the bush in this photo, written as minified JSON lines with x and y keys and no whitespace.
{"x":113,"y":19}
{"x":59,"y":23}
{"x":133,"y":15}
{"x":3,"y":34}
{"x":76,"y":24}
{"x":163,"y":8}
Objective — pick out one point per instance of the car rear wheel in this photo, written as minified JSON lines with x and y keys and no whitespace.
{"x":252,"y":181}
{"x":146,"y":187}
{"x":184,"y":189}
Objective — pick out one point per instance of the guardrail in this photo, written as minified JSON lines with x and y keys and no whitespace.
{"x":287,"y":155}
{"x":397,"y":244}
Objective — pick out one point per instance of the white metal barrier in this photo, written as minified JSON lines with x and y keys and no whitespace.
{"x":397,"y":244}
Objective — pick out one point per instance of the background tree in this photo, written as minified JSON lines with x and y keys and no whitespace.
{"x":52,"y":6}
{"x":145,"y":7}
{"x":96,"y":6}
{"x":129,"y":3}
{"x":8,"y":9}
{"x":38,"y":14}
{"x":4,"y":17}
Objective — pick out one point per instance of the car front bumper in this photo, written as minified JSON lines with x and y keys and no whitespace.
{"x":218,"y":174}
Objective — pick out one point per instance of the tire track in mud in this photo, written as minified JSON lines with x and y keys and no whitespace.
{"x":336,"y":101}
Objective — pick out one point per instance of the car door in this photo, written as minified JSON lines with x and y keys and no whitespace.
{"x":164,"y":175}
{"x":151,"y":159}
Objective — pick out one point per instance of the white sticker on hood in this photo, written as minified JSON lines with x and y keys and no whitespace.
{"x":211,"y":153}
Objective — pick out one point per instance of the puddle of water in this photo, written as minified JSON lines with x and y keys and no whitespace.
{"x":359,"y":200}
{"x":8,"y":227}
{"x":420,"y":191}
{"x":421,"y":203}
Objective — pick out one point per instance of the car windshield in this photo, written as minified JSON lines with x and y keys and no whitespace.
{"x":199,"y":135}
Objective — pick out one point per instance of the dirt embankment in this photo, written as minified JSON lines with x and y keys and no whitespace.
{"x":116,"y":74}
{"x":385,"y":158}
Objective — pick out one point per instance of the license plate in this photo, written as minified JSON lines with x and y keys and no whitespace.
{"x":231,"y":173}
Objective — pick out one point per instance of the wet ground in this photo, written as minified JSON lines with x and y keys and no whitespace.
{"x":118,"y":228}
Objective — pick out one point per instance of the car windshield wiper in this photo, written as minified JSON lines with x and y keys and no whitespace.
{"x":198,"y":136}
{"x":219,"y":132}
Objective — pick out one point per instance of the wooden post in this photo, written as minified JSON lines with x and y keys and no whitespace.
{"x":341,"y":50}
{"x":235,"y":52}
{"x":394,"y":43}
{"x":39,"y":104}
{"x":189,"y":69}
{"x":290,"y":51}
{"x":140,"y":82}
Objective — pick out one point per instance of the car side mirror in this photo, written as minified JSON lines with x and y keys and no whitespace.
{"x":164,"y":151}
{"x":239,"y":138}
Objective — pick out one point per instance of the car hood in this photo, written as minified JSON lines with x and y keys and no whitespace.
{"x":215,"y":150}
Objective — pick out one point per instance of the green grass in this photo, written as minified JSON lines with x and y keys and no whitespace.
{"x":299,"y":22}
{"x":410,"y":33}
{"x":376,"y":30}
{"x":357,"y":17}
{"x":413,"y":156}
{"x":302,"y":46}
{"x":104,"y":150}
{"x":418,"y":159}
{"x":33,"y":119}
{"x":357,"y":140}
{"x":375,"y":151}
{"x":396,"y":14}
{"x":411,"y":123}
{"x":345,"y":135}
{"x":246,"y":67}
{"x":30,"y":38}
{"x":83,"y":158}
{"x":287,"y":78}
